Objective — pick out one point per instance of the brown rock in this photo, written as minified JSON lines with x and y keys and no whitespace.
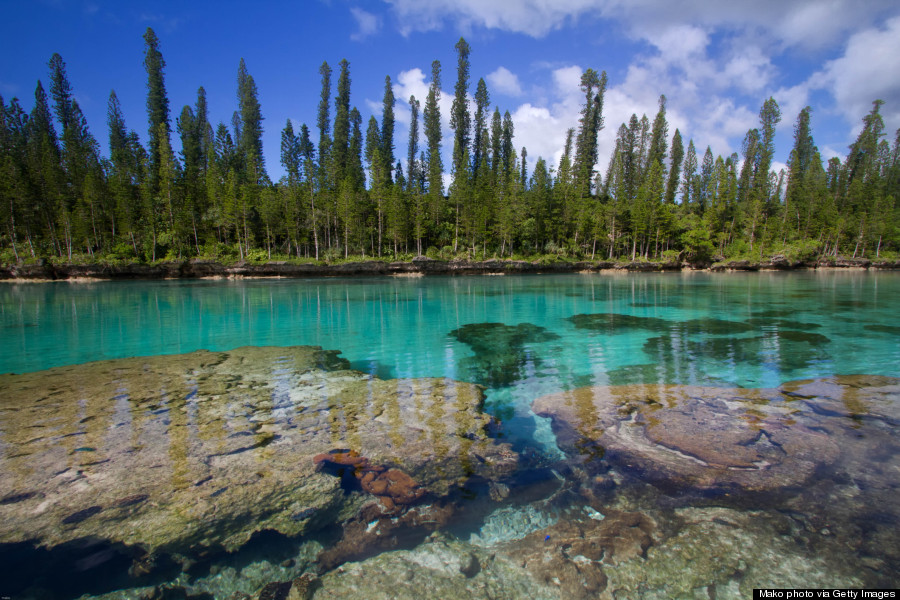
{"x":573,"y":553}
{"x":683,"y":436}
{"x":183,"y":452}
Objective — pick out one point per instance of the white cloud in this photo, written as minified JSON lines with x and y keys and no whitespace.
{"x":532,"y":17}
{"x":368,"y":24}
{"x":681,"y":44}
{"x":505,"y":82}
{"x":829,"y":152}
{"x":791,"y":101}
{"x":412,"y":83}
{"x":805,"y":23}
{"x":715,"y":61}
{"x":541,"y":132}
{"x":748,"y":70}
{"x":867,"y":71}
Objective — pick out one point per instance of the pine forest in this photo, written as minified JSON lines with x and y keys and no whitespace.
{"x":346,"y":195}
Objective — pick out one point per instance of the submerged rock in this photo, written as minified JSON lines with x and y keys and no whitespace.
{"x":202,"y":450}
{"x":500,"y":351}
{"x":613,"y":323}
{"x":720,"y":439}
{"x":724,"y":553}
{"x":392,"y":487}
{"x":575,"y":553}
{"x":442,"y":567}
{"x":786,"y":351}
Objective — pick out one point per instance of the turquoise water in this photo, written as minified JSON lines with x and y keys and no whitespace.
{"x":750,"y":330}
{"x":399,"y":327}
{"x":521,"y":337}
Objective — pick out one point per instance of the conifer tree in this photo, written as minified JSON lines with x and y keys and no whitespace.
{"x":251,"y":125}
{"x":800,"y":167}
{"x":563,"y":191}
{"x":496,"y":148}
{"x":412,"y":166}
{"x":460,"y":123}
{"x":290,"y":154}
{"x":378,"y":184}
{"x":307,"y":156}
{"x":46,"y":175}
{"x":707,"y":178}
{"x":631,"y":157}
{"x":460,"y":119}
{"x":677,"y":154}
{"x":590,"y":124}
{"x":750,"y":150}
{"x":480,"y":133}
{"x":387,"y":132}
{"x":157,"y":105}
{"x":687,"y":181}
{"x":658,"y":137}
{"x":769,"y":117}
{"x":291,"y":160}
{"x":323,"y":123}
{"x":432,"y":117}
{"x":341,"y":147}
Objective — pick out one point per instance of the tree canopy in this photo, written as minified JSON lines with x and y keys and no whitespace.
{"x":347,"y":194}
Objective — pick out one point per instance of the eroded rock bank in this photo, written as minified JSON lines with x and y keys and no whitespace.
{"x":185,"y":454}
{"x":200,"y":268}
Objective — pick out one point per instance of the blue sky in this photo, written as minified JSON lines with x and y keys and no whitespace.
{"x":715,"y":61}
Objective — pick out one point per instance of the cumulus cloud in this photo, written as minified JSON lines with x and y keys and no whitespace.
{"x":805,"y":23}
{"x":532,"y":17}
{"x":542,"y":132}
{"x":715,"y":61}
{"x":412,"y":82}
{"x":866,"y":72}
{"x":748,"y":69}
{"x":505,"y":82}
{"x":368,"y":24}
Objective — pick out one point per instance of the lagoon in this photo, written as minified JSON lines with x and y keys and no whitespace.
{"x":699,"y":352}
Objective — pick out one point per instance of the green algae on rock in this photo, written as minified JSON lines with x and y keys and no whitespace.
{"x":207,"y":448}
{"x":499,"y":349}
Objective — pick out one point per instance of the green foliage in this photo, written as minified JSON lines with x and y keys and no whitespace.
{"x":656,"y":201}
{"x":257,"y":255}
{"x":802,"y":250}
{"x":697,"y":245}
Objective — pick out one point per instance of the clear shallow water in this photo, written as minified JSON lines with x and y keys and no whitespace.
{"x":523,"y":337}
{"x":836,"y":323}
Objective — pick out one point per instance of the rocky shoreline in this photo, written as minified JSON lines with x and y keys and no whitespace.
{"x":200,"y":268}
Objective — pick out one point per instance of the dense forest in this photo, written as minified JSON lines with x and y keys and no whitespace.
{"x":346,"y":193}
